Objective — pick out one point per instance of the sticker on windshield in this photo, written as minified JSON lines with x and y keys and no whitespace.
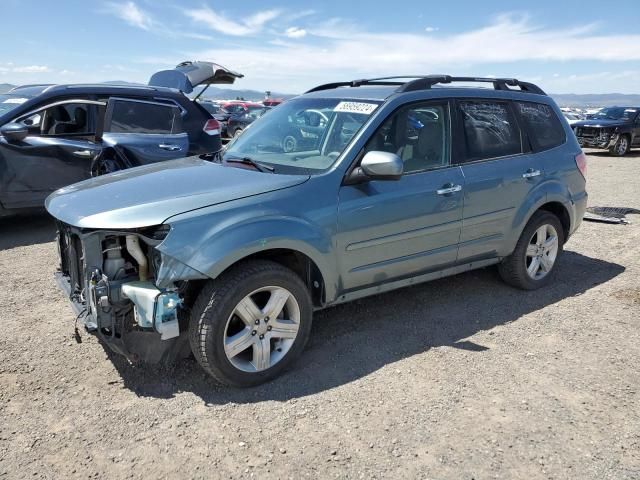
{"x":356,"y":107}
{"x":15,"y":100}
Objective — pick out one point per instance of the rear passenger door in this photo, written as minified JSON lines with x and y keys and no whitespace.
{"x":144,"y":131}
{"x":500,"y":174}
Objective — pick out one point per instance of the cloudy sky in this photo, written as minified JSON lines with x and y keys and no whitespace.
{"x":567,"y":46}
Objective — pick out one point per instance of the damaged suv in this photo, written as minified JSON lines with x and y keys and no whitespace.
{"x":616,"y":129}
{"x":392,"y":183}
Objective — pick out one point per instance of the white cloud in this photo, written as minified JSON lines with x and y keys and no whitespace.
{"x":431,"y":29}
{"x":10,"y":67}
{"x":130,"y":13}
{"x":346,"y":51}
{"x":220,"y":23}
{"x":295,"y":32}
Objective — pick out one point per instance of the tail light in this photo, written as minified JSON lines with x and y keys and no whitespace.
{"x":212,"y":127}
{"x":581,"y":162}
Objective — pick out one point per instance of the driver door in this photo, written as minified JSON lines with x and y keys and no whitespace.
{"x":389,"y":230}
{"x":57,"y":152}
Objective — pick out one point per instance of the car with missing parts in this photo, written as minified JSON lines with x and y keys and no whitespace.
{"x":616,"y":129}
{"x":56,"y":135}
{"x":397,"y":183}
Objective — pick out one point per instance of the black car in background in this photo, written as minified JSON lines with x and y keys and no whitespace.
{"x":54,"y":135}
{"x":616,"y":129}
{"x":237,"y":123}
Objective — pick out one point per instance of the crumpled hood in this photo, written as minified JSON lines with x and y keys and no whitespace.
{"x":148,"y":195}
{"x":599,"y":123}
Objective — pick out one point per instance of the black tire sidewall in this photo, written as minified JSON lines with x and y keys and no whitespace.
{"x":614,"y":150}
{"x":216,"y":319}
{"x":519,"y":253}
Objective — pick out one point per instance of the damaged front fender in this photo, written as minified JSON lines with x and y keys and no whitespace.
{"x":172,"y":270}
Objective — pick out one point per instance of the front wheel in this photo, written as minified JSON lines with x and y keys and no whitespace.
{"x":251,"y":323}
{"x":622,"y":146}
{"x":532,"y":262}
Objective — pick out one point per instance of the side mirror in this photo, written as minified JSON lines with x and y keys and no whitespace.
{"x":377,"y":166}
{"x":14,"y":132}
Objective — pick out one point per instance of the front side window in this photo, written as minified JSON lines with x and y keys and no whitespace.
{"x":543,"y":126}
{"x":490,"y":130}
{"x":129,"y":116}
{"x":418,"y":134}
{"x":304,"y":135}
{"x":67,"y":119}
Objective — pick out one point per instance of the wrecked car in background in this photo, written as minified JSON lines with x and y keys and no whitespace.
{"x":55,"y":135}
{"x":616,"y":129}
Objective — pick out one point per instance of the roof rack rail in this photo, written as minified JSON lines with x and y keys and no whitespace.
{"x":498,"y":83}
{"x":425,"y":82}
{"x":358,"y":83}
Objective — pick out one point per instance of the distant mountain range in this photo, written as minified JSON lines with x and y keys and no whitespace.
{"x":562,"y":99}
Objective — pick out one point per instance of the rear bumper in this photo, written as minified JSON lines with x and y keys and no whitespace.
{"x":579,"y":209}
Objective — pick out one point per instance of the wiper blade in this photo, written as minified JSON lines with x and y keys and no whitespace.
{"x":250,"y":161}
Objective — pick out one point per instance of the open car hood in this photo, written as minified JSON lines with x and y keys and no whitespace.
{"x":188,"y":75}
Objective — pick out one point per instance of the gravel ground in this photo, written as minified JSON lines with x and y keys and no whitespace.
{"x":464,"y":378}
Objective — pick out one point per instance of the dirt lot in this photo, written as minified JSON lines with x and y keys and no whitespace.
{"x":464,"y":378}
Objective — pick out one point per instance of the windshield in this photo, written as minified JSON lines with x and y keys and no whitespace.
{"x":9,"y":101}
{"x":616,"y":113}
{"x":304,"y":135}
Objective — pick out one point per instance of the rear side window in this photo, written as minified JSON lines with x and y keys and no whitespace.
{"x":128,"y":116}
{"x":543,"y":126}
{"x":490,"y":130}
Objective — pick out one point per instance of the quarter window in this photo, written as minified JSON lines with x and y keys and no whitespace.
{"x":142,"y":117}
{"x":418,"y":134}
{"x":543,"y":126}
{"x":490,"y":130}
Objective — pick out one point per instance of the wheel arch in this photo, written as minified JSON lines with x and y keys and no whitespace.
{"x":304,"y":249}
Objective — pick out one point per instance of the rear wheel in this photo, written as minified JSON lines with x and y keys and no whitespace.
{"x":249,"y":325}
{"x":622,"y":146}
{"x":533,"y":261}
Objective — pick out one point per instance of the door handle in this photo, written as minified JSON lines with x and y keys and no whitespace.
{"x":169,"y":147}
{"x":531,"y":173}
{"x":448,"y":189}
{"x":83,"y":153}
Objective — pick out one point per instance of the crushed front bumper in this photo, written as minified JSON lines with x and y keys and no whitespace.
{"x":603,"y":141}
{"x":100,"y":305}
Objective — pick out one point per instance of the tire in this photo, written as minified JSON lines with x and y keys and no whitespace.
{"x":215,"y":322}
{"x":516,"y":268}
{"x":289,"y":143}
{"x":622,"y":146}
{"x":237,"y":133}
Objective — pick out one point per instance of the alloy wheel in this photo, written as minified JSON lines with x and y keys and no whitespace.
{"x":262,"y":329}
{"x":622,"y":145}
{"x":541,"y":252}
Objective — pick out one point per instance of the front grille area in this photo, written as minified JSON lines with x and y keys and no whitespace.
{"x":71,"y":258}
{"x":593,"y":132}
